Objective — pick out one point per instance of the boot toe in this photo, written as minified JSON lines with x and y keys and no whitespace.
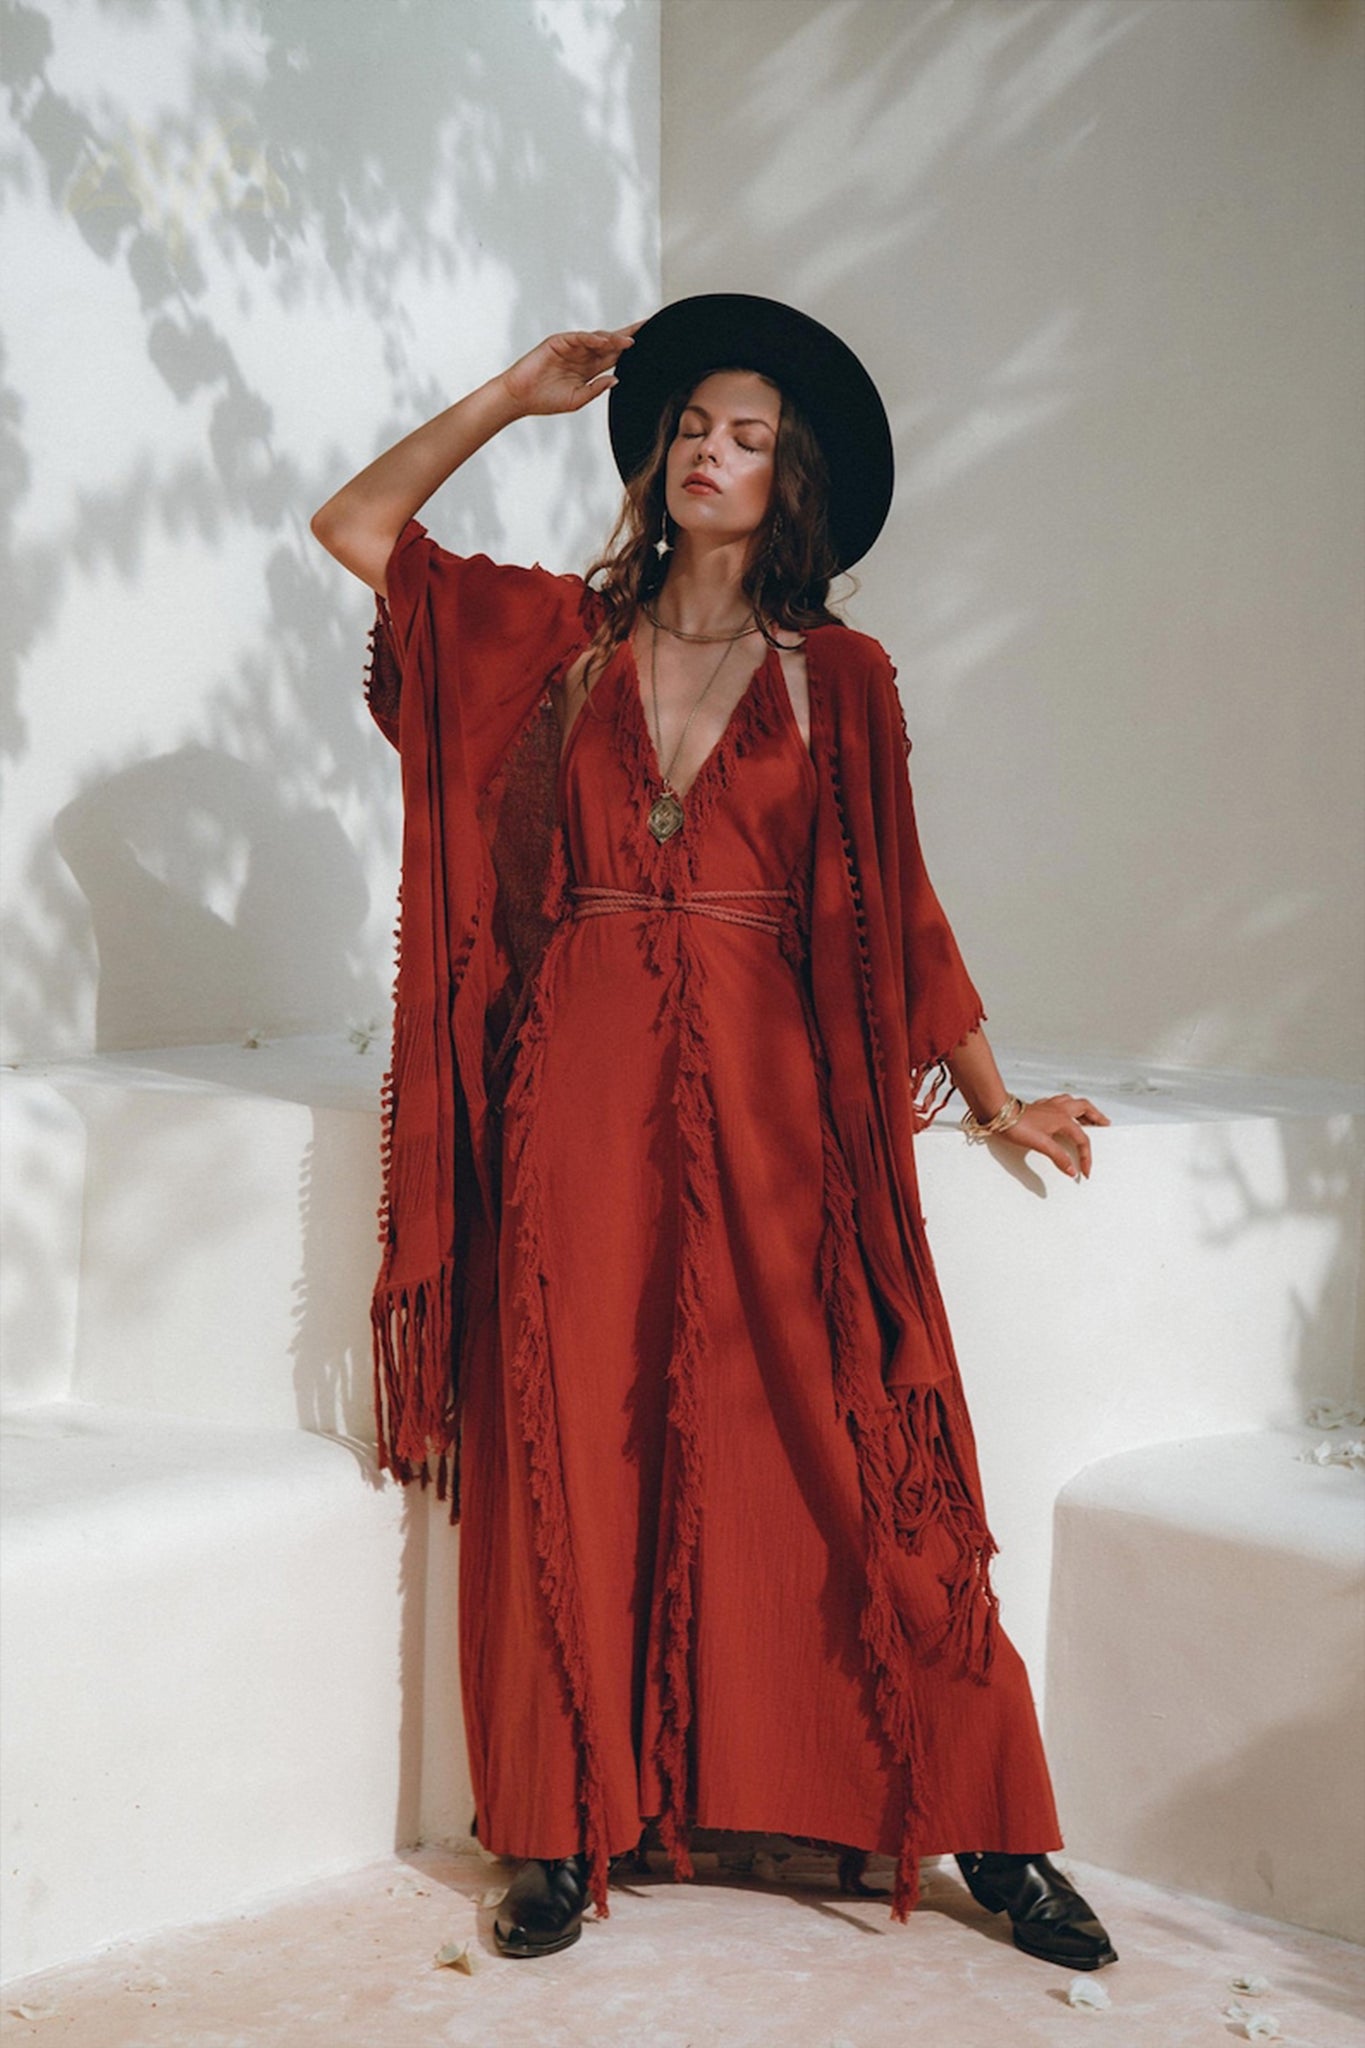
{"x":542,"y":1909}
{"x":1075,"y":1944}
{"x":1051,"y":1919}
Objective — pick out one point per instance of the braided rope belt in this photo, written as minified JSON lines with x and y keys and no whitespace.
{"x":726,"y":906}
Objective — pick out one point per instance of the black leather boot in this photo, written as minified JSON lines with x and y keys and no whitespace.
{"x":1051,"y":1919}
{"x":542,"y":1909}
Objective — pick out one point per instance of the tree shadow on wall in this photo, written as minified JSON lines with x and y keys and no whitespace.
{"x":150,"y":847}
{"x":301,"y":158}
{"x":1319,"y":1192}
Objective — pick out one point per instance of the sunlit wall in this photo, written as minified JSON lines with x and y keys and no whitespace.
{"x":1105,"y":259}
{"x":244,"y":246}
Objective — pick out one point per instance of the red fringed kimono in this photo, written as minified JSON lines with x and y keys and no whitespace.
{"x":512,"y":859}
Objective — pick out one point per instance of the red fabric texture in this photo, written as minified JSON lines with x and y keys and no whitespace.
{"x":656,"y":1305}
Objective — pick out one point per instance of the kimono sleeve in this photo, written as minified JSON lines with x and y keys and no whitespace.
{"x":489,"y":632}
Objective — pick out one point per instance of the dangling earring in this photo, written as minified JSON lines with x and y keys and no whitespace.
{"x":774,"y":534}
{"x":663,"y":545}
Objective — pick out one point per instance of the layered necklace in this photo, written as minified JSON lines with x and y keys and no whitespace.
{"x":666,"y":813}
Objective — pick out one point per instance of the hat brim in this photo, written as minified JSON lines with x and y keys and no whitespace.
{"x":685,"y":341}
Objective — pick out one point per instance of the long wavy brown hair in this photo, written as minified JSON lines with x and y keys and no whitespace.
{"x":790,"y":570}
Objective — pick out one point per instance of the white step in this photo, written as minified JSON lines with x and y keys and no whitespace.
{"x":213,"y":1652}
{"x":1206,"y":1724}
{"x":208,"y":1217}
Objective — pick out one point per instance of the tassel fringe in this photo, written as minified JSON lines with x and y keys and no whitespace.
{"x":383,"y":681}
{"x":529,"y":1366}
{"x":699,"y":1200}
{"x":880,"y":1627}
{"x":414,"y":1390}
{"x":910,"y":1479}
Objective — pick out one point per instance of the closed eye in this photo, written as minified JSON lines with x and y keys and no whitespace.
{"x":695,"y":434}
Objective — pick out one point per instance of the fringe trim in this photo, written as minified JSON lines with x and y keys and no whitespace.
{"x":880,"y":1627}
{"x":752,"y":719}
{"x":855,"y":887}
{"x":928,"y":1488}
{"x":699,"y":1198}
{"x":924,"y":1108}
{"x":412,"y":1322}
{"x":906,"y":743}
{"x":383,"y":679}
{"x":529,"y":1366}
{"x":925,"y":1103}
{"x":910,"y":1480}
{"x":414,"y":1382}
{"x":386,"y":1099}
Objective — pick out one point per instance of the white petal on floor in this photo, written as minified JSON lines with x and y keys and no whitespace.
{"x":1086,"y":1993}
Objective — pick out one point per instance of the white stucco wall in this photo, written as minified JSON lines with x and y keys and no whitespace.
{"x":246,"y":243}
{"x":1105,"y":259}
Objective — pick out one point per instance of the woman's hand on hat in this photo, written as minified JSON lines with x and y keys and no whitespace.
{"x":567,"y":371}
{"x":1055,"y":1125}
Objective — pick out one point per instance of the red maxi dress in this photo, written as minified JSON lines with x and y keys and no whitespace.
{"x":664,"y":1550}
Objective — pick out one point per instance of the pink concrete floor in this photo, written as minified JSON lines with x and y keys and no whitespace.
{"x":747,"y":1961}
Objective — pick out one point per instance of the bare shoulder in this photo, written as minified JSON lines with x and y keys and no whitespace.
{"x":796,"y":675}
{"x":569,"y":692}
{"x":571,"y":681}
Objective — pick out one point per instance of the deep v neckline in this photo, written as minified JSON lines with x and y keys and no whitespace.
{"x":634,"y":684}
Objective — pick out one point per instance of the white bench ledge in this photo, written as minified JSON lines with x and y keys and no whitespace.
{"x":1248,"y":1487}
{"x":323,"y":1070}
{"x":1135,"y":1092}
{"x":86,"y":1470}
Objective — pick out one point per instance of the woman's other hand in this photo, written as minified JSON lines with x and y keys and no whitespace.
{"x":1052,"y":1125}
{"x":567,"y":371}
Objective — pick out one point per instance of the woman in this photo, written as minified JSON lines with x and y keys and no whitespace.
{"x":672,"y":979}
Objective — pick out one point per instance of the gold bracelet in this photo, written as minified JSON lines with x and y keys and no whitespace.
{"x":977,"y":1133}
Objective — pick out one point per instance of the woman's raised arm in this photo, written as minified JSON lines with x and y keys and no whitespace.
{"x":360,"y":523}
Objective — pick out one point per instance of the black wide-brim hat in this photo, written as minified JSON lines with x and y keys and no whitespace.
{"x":684,"y":342}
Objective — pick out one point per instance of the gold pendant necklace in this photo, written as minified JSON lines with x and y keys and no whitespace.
{"x":666,"y":813}
{"x":665,"y":816}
